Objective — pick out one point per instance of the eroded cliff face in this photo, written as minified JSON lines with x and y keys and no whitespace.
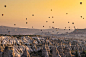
{"x":5,"y":52}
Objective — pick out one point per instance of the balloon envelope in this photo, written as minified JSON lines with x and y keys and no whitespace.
{"x":32,"y":14}
{"x":26,"y":18}
{"x":51,"y":9}
{"x":4,"y":5}
{"x":2,"y":14}
{"x":53,"y":27}
{"x":52,"y":16}
{"x":26,"y":22}
{"x":81,"y":16}
{"x":46,"y":21}
{"x":66,"y":13}
{"x":73,"y":23}
{"x":48,"y":17}
{"x":14,"y":24}
{"x":53,"y":22}
{"x":80,"y":2}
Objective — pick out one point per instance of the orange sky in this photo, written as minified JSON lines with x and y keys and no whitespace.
{"x":17,"y":11}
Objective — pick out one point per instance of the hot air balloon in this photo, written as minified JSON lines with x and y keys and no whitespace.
{"x":43,"y":26}
{"x":64,"y":29}
{"x":80,"y":2}
{"x":68,"y":22}
{"x":32,"y":14}
{"x":48,"y":17}
{"x":52,"y":16}
{"x":66,"y":13}
{"x":41,"y":30}
{"x":69,"y":29}
{"x":4,"y":5}
{"x":2,"y":14}
{"x":8,"y":31}
{"x":74,"y":26}
{"x":53,"y":27}
{"x":46,"y":21}
{"x":26,"y":18}
{"x":32,"y":26}
{"x":83,"y":18}
{"x":56,"y":28}
{"x":26,"y":22}
{"x":53,"y":22}
{"x":73,"y":23}
{"x":14,"y":24}
{"x":51,"y":9}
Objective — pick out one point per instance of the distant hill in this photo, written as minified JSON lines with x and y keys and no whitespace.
{"x":79,"y":31}
{"x":16,"y":31}
{"x":27,"y":31}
